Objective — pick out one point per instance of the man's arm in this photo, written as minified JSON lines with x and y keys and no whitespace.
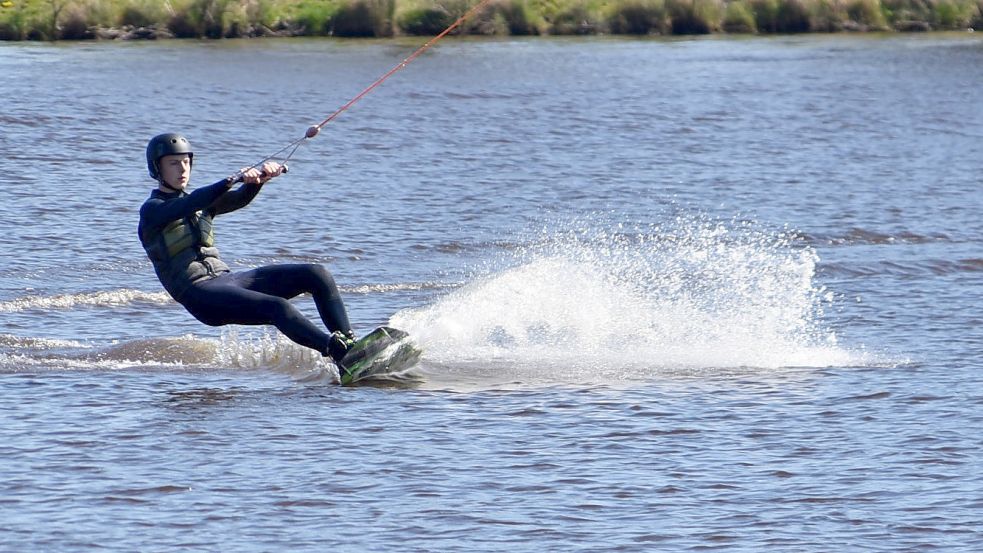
{"x":157,"y":213}
{"x":254,"y":179}
{"x":235,"y":199}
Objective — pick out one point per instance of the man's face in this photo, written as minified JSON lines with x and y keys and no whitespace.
{"x":175,"y":170}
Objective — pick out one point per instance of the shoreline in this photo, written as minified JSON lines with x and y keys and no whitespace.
{"x":150,"y":34}
{"x":101,"y":20}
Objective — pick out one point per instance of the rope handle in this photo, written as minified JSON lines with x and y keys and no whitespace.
{"x":238,"y":177}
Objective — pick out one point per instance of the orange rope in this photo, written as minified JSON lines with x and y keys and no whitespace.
{"x":398,"y":66}
{"x":313,"y":131}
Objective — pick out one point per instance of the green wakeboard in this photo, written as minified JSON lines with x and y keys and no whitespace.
{"x":382,"y":352}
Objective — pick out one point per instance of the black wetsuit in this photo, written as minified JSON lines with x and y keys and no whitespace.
{"x":176,"y":231}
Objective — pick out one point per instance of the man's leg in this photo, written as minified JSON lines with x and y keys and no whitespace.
{"x":288,"y":281}
{"x":222,"y":301}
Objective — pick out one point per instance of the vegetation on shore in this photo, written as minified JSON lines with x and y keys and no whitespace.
{"x":152,"y":19}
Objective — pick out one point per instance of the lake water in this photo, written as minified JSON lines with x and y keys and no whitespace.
{"x":674,"y":295}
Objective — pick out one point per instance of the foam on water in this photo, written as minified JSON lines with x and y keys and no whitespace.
{"x":271,"y":350}
{"x":124,"y":297}
{"x":623,"y":300}
{"x":260,"y":349}
{"x":106,"y":298}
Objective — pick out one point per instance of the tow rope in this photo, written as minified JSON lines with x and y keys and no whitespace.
{"x":315,"y":129}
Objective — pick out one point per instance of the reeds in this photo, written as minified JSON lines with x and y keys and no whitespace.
{"x":107,"y":19}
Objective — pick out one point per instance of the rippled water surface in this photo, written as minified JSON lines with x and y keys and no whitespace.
{"x":673,"y":295}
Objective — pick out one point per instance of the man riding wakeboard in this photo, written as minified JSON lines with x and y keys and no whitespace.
{"x":176,"y":232}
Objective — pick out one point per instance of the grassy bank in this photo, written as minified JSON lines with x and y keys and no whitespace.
{"x":151,"y":19}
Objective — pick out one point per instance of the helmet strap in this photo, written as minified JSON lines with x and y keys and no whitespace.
{"x":163,"y":183}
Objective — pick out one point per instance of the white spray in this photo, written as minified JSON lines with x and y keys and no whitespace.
{"x":624,"y":301}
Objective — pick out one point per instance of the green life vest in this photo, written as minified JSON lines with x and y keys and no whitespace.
{"x":183,"y":252}
{"x":186,"y":233}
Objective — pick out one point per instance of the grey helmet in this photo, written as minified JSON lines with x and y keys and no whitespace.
{"x":165,"y":145}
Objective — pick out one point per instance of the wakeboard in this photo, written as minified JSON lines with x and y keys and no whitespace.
{"x":384,"y":351}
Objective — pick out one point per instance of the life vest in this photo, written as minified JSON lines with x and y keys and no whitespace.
{"x":186,"y":233}
{"x":183,"y":252}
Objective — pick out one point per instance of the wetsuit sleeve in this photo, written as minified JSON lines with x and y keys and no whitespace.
{"x":156,"y":213}
{"x":235,"y":199}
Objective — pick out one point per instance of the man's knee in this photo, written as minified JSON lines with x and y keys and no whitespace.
{"x":321,"y":275}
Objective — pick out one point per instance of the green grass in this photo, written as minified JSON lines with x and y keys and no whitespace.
{"x":81,"y":19}
{"x":739,"y":18}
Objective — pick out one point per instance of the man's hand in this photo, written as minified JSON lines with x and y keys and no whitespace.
{"x":270,"y":169}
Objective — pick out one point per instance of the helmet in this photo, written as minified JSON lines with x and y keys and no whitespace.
{"x":165,"y":145}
